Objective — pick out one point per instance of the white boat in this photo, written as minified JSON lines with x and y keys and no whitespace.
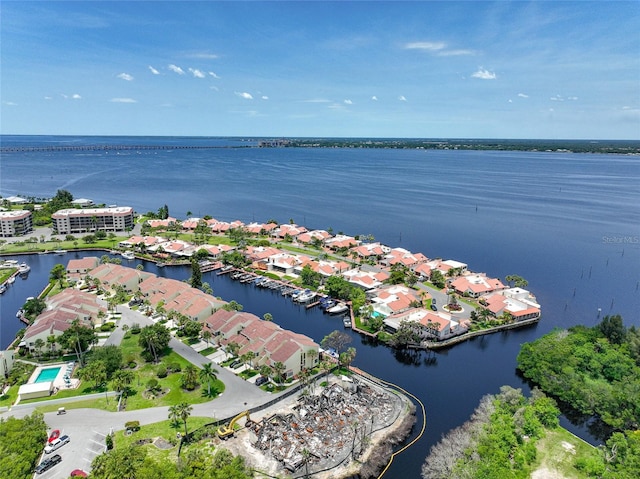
{"x":3,"y":288}
{"x":347,"y":322}
{"x":23,"y":268}
{"x":59,"y":252}
{"x":305,"y":297}
{"x":11,"y":279}
{"x":338,"y":308}
{"x":128,"y":255}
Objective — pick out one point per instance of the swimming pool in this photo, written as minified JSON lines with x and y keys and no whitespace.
{"x":48,"y":374}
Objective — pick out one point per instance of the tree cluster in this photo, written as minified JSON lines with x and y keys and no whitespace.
{"x":134,"y":462}
{"x":21,"y":443}
{"x":339,"y":288}
{"x":596,"y":370}
{"x":497,"y":442}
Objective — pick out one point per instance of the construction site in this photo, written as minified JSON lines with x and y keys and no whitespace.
{"x":327,"y":431}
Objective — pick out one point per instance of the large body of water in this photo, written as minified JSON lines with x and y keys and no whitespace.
{"x":568,"y":223}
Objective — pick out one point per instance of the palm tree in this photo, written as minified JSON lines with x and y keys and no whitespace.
{"x":184,"y":411}
{"x":267,"y":317}
{"x":190,"y":377}
{"x":206,"y":335}
{"x":279,"y":369}
{"x":208,"y":374}
{"x":51,"y":341}
{"x":266,"y":371}
{"x":121,"y":380}
{"x":39,"y":344}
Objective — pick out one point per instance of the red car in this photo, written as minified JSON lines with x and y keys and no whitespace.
{"x":55,"y":434}
{"x":78,"y":473}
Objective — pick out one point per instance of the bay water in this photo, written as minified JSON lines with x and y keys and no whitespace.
{"x":568,"y":223}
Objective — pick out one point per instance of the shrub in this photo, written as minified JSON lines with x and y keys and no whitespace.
{"x":152,"y":384}
{"x":132,"y":425}
{"x":175,"y":367}
{"x":162,"y":371}
{"x":132,"y":364}
{"x":107,"y":327}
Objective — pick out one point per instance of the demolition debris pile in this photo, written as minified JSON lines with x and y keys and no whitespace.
{"x":328,"y":429}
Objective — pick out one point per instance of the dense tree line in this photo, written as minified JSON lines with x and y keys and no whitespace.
{"x":133,"y":462}
{"x":21,"y":442}
{"x":596,"y":370}
{"x":499,"y":441}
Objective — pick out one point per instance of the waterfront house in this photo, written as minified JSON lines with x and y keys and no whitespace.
{"x":78,"y":268}
{"x":290,"y":230}
{"x":166,"y":223}
{"x":283,"y":263}
{"x":365,"y":279}
{"x":340,"y":242}
{"x":370,"y":250}
{"x":391,"y":299}
{"x":519,"y":303}
{"x":404,"y":257}
{"x":476,"y":285}
{"x":216,"y":251}
{"x":437,"y":326}
{"x":260,"y":228}
{"x":315,"y":235}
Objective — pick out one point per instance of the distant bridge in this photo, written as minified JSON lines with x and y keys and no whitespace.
{"x":56,"y":148}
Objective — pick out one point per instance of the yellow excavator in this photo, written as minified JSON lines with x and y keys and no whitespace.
{"x":225,"y":431}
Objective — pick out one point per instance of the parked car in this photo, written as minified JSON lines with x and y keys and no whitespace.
{"x":261,"y":380}
{"x":235,"y":364}
{"x":56,"y":444}
{"x":433,"y":307}
{"x":48,"y":463}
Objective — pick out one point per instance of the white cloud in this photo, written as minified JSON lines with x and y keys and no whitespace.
{"x":48,"y":98}
{"x":264,"y":97}
{"x":123,"y":100}
{"x":455,"y":53}
{"x":402,"y":98}
{"x":245,"y":95}
{"x":213,"y":87}
{"x":125,"y":76}
{"x":437,"y":48}
{"x":204,"y":56}
{"x":75,"y":96}
{"x":348,"y":102}
{"x":214,"y":75}
{"x":153,"y":70}
{"x":9,"y":103}
{"x":557,"y":98}
{"x":374,"y":98}
{"x":572,"y":98}
{"x":522,"y":95}
{"x":176,"y":69}
{"x":196,"y":73}
{"x":484,"y":74}
{"x":510,"y":100}
{"x":428,"y":46}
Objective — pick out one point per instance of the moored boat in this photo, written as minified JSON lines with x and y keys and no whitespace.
{"x":128,"y":255}
{"x":338,"y":308}
{"x":23,"y":268}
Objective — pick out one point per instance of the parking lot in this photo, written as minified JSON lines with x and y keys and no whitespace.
{"x":84,"y":446}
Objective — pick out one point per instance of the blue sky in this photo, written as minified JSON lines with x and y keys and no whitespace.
{"x":340,"y":69}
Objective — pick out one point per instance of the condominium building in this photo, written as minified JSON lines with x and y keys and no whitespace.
{"x":85,"y":220}
{"x":15,"y":223}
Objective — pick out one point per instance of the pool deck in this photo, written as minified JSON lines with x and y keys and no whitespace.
{"x":59,"y":382}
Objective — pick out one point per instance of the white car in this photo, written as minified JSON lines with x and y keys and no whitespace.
{"x":56,"y":444}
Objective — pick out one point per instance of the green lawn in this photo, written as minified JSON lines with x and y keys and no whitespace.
{"x":207,"y":351}
{"x":5,"y":273}
{"x":558,"y":451}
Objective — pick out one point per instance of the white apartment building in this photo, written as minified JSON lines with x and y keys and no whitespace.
{"x":15,"y":223}
{"x":88,"y":220}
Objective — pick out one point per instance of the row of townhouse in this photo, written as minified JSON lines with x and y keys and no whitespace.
{"x":292,"y":349}
{"x":62,"y":311}
{"x":268,"y":342}
{"x":15,"y":223}
{"x":164,"y":247}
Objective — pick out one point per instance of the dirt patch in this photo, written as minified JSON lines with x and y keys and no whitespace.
{"x":568,"y":447}
{"x":162,"y":443}
{"x":544,"y":473}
